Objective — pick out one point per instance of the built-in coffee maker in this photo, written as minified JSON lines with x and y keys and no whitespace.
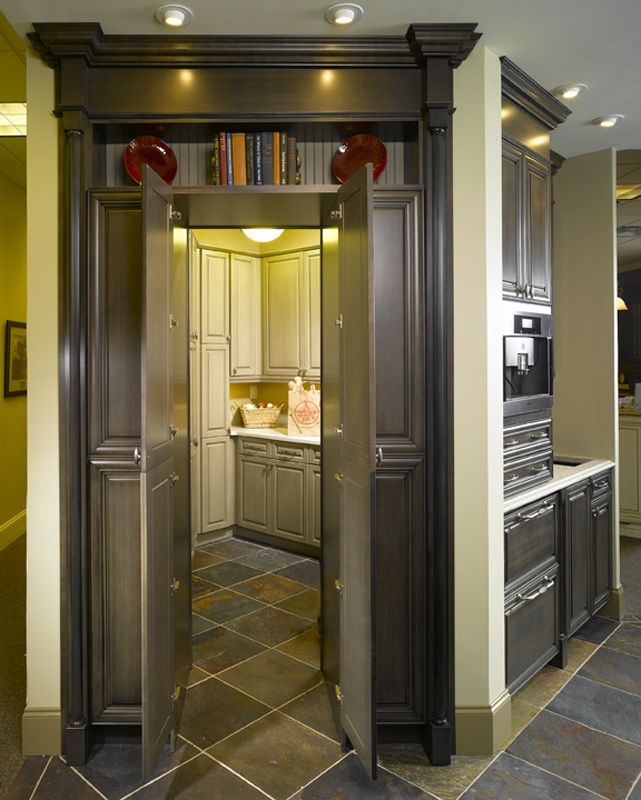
{"x":527,"y":396}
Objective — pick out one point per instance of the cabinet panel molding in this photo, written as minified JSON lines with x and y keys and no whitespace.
{"x":217,"y":484}
{"x":288,"y":488}
{"x":254,"y":498}
{"x":214,"y":415}
{"x":246,"y":315}
{"x":312,"y":274}
{"x":214,"y":271}
{"x":630,"y":468}
{"x":283,"y":314}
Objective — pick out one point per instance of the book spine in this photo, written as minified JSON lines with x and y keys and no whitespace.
{"x":291,"y":160}
{"x":283,"y":159}
{"x":239,"y":158}
{"x":276,"y":163}
{"x":215,"y":163}
{"x":268,"y":158}
{"x":250,"y":141}
{"x":258,"y":159}
{"x":222,"y":158}
{"x":230,"y":161}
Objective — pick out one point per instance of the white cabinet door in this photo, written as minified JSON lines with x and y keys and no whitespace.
{"x":214,"y":391}
{"x":288,"y":498}
{"x":245,"y":317}
{"x":214,"y":270}
{"x":254,"y":502}
{"x":284,"y":320}
{"x":217,"y":492}
{"x":312,"y":270}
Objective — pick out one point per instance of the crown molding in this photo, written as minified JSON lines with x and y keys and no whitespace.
{"x":529,"y":95}
{"x":454,"y":41}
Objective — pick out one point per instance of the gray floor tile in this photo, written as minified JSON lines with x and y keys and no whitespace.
{"x":26,"y":779}
{"x":314,"y":710}
{"x":269,"y":560}
{"x":597,"y":629}
{"x":602,"y":707}
{"x":227,"y":573}
{"x":220,"y":648}
{"x":200,"y":624}
{"x":627,"y":639}
{"x":510,"y":777}
{"x":591,"y":759}
{"x":61,"y":783}
{"x":348,"y":780}
{"x":270,"y":626}
{"x":307,"y":572}
{"x":231,"y":549}
{"x":614,"y":669}
{"x":225,"y":605}
{"x":306,"y":604}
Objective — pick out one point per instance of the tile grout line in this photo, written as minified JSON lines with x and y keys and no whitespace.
{"x":482,"y":772}
{"x":622,"y":652}
{"x":320,"y":774}
{"x":238,"y":775}
{"x":40,"y":777}
{"x":608,"y":686}
{"x":407,"y":780}
{"x":87,"y":781}
{"x":560,"y":777}
{"x":595,"y":730}
{"x":633,"y":787}
{"x":168,"y":772}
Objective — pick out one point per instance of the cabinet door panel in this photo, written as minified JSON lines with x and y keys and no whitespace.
{"x":629,"y":469}
{"x":512,"y":219}
{"x":313,"y":277}
{"x":214,"y":391}
{"x":288,"y":493}
{"x":253,"y":500}
{"x":217,"y":484}
{"x":538,"y":183}
{"x":602,"y":549}
{"x":313,"y":505}
{"x":577,"y":555}
{"x":283,"y":322}
{"x":214,"y":268}
{"x":245,"y":316}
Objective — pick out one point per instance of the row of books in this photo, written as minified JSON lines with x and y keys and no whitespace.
{"x":240,"y":159}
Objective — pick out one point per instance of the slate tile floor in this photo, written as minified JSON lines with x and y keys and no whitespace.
{"x":257,"y":722}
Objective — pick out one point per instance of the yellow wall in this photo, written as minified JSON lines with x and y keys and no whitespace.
{"x":235,"y":239}
{"x":41,"y":729}
{"x":13,"y":410}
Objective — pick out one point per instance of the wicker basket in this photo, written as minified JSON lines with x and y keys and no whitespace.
{"x":260,"y":417}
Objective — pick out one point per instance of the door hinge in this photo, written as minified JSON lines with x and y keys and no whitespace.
{"x":174,"y":216}
{"x":339,"y":430}
{"x":175,"y":695}
{"x":194,"y":336}
{"x":379,"y":456}
{"x":338,"y":476}
{"x":336,"y":214}
{"x":339,"y":694}
{"x":339,"y":586}
{"x":173,"y":322}
{"x":174,"y":586}
{"x":174,"y":478}
{"x":173,"y":431}
{"x":339,"y":321}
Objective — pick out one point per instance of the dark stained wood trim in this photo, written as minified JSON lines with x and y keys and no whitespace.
{"x":529,"y":95}
{"x":454,"y":41}
{"x":557,"y":161}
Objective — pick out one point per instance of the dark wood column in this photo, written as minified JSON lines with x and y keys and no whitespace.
{"x":438,"y":50}
{"x":74,"y":577}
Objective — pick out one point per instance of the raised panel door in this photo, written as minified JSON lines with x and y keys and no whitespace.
{"x":512,"y":220}
{"x":214,"y":391}
{"x":538,"y":254}
{"x":217,"y":493}
{"x":314,"y":505}
{"x":245,"y":320}
{"x":214,"y":270}
{"x":288,"y":500}
{"x":577,"y":557}
{"x":283,"y":315}
{"x":253,"y":501}
{"x":601,"y":550}
{"x":312,"y":263}
{"x":629,"y":476}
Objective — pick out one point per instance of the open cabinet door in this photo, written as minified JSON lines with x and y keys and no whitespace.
{"x":156,"y":472}
{"x":357,"y":465}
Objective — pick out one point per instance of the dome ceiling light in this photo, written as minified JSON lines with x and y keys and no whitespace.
{"x":344,"y":13}
{"x":607,"y":122}
{"x":569,"y":90}
{"x":262,"y":234}
{"x":174,"y":16}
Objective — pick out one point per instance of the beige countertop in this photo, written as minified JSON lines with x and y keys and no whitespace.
{"x":562,"y":477}
{"x":629,"y":411}
{"x":275,"y":434}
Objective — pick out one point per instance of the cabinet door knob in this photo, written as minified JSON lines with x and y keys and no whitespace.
{"x":136,"y":455}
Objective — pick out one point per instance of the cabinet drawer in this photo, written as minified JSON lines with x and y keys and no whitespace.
{"x":531,"y":628}
{"x":314,"y":455}
{"x":601,"y":484}
{"x":522,"y":473}
{"x":254,"y":447}
{"x":531,"y":538}
{"x":522,"y":439}
{"x":289,"y":452}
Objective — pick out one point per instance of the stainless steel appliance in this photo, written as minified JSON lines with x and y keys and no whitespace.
{"x":527,"y":358}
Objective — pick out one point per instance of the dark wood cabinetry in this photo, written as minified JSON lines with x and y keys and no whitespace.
{"x":577,"y":557}
{"x":601,"y":550}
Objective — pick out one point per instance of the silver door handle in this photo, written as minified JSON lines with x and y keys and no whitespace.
{"x":379,"y":456}
{"x":511,"y":478}
{"x":536,"y":436}
{"x":136,"y":455}
{"x":540,"y":512}
{"x":512,"y":443}
{"x":538,"y":593}
{"x":540,"y":468}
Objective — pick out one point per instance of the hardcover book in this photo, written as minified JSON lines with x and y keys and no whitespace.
{"x":239,"y":158}
{"x":268,"y":157}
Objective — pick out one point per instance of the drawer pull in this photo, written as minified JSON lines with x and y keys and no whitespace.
{"x":540,"y":468}
{"x":535,"y":437}
{"x":288,"y":452}
{"x":540,"y":512}
{"x":601,"y":484}
{"x":513,"y":443}
{"x":510,"y":478}
{"x":529,"y":597}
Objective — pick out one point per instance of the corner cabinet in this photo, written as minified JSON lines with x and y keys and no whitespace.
{"x":245,"y":315}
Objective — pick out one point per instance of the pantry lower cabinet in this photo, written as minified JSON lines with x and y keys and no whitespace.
{"x":278,"y":493}
{"x":217,"y":484}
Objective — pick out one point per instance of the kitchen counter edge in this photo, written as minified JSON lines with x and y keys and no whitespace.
{"x":562,"y":477}
{"x":275,"y":434}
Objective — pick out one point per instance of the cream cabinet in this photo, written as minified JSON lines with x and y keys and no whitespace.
{"x":245,"y":316}
{"x":217,"y":484}
{"x":214,"y":390}
{"x":291,"y":315}
{"x":630,"y":470}
{"x":214,"y":290}
{"x":314,"y":504}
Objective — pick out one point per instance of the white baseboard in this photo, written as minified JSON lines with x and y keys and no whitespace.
{"x":12,"y":529}
{"x":41,"y":732}
{"x":630,"y":529}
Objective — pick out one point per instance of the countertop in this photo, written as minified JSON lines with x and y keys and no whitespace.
{"x":629,"y":411}
{"x":562,"y":477}
{"x":275,"y":434}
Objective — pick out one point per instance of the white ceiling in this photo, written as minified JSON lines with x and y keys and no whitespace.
{"x":629,"y":211}
{"x":13,"y":149}
{"x":596,"y":42}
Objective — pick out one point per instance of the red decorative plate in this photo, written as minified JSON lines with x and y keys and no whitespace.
{"x":153,"y":151}
{"x":357,"y":151}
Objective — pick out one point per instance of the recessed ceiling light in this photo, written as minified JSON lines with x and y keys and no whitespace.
{"x":262,"y":234}
{"x":344,"y":13}
{"x":569,"y":91}
{"x":174,"y":16}
{"x":13,"y":119}
{"x":607,"y":122}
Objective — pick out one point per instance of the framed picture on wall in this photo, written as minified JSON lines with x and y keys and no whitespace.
{"x":15,"y":359}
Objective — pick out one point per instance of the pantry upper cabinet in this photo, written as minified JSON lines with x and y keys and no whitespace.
{"x":246,"y":360}
{"x":291,"y":315}
{"x":214,"y":270}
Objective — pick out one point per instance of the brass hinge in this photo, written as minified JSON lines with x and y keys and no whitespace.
{"x":336,"y":214}
{"x":174,"y":216}
{"x":339,"y":586}
{"x":174,"y":586}
{"x":175,"y":695}
{"x":338,"y":476}
{"x":173,"y":431}
{"x":339,"y":694}
{"x":339,"y":322}
{"x":339,"y":430}
{"x":173,"y":322}
{"x":174,"y":478}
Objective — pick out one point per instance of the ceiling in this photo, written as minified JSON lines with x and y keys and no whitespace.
{"x":629,"y":211}
{"x":556,"y":41}
{"x":13,"y":149}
